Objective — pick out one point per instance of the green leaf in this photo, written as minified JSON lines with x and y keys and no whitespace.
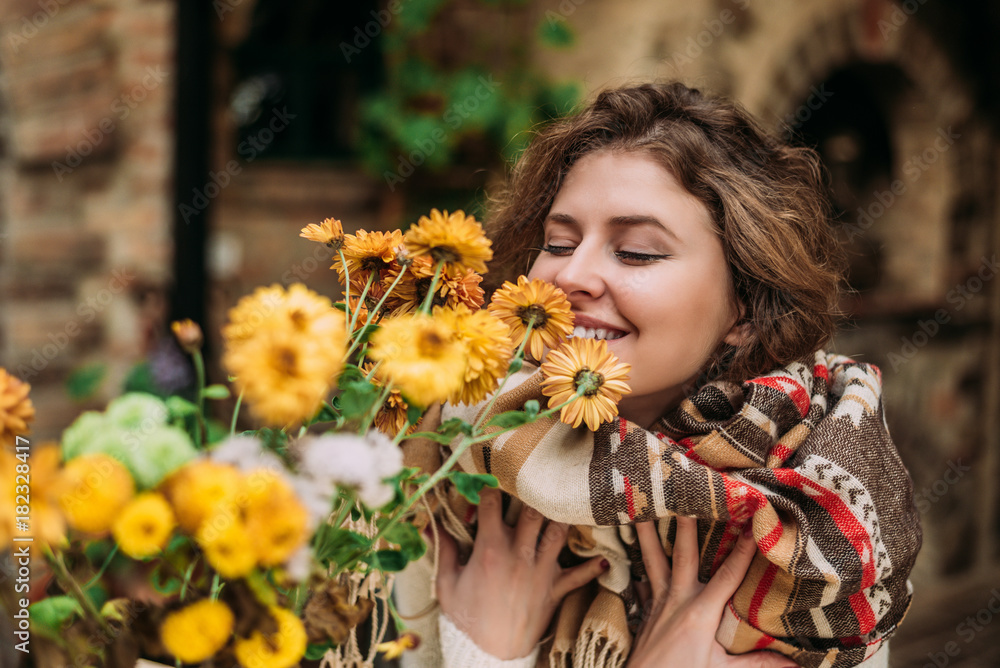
{"x":357,"y":399}
{"x":452,"y":427}
{"x":327,"y":413}
{"x":215,"y":392}
{"x":413,"y":414}
{"x":52,"y":612}
{"x":469,"y":484}
{"x":169,"y":586}
{"x":391,"y":561}
{"x":366,"y":332}
{"x":84,"y":381}
{"x":315,"y":652}
{"x":261,"y":588}
{"x":515,"y":365}
{"x":409,"y":540}
{"x":180,"y":407}
{"x":554,"y":31}
{"x":336,"y":545}
{"x":509,"y":419}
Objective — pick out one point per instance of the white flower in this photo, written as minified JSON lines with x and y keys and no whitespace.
{"x":247,"y":454}
{"x":358,"y":462}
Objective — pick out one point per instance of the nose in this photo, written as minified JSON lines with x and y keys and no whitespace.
{"x":581,"y":273}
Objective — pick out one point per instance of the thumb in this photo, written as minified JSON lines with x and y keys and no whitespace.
{"x":578,"y":576}
{"x":762,"y":660}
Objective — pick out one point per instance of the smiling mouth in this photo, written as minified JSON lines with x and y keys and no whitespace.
{"x":597,"y":333}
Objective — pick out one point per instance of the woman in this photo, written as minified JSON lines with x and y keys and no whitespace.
{"x":700,"y":248}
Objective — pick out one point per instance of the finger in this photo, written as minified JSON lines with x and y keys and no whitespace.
{"x":643,"y":592}
{"x":685,"y":557}
{"x":490,"y":514}
{"x":529,"y":524}
{"x":577,"y":576}
{"x":448,"y":566}
{"x":653,"y":558}
{"x":727,"y":579}
{"x":762,"y":660}
{"x":552,"y":543}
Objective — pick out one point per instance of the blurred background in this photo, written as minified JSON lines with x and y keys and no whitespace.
{"x":158,"y":159}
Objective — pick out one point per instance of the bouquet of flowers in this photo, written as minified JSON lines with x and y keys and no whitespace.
{"x":163,"y":536}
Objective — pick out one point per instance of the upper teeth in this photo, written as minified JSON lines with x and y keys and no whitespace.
{"x":592,"y":333}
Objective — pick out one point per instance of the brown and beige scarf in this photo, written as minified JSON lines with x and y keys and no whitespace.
{"x":802,"y":453}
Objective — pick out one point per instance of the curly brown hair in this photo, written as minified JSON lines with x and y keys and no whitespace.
{"x":767,"y":199}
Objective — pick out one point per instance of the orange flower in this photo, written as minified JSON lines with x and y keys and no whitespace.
{"x":536,"y":303}
{"x":455,"y":239}
{"x":329,"y":232}
{"x":587,"y":365}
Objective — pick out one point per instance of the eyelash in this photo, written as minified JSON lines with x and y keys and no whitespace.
{"x":641,"y":258}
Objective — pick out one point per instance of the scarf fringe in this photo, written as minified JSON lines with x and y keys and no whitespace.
{"x":596,"y":650}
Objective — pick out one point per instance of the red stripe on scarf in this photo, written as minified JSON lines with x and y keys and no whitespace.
{"x":771,"y":539}
{"x":622,"y":429}
{"x":851,"y":529}
{"x":781,"y":451}
{"x":796,"y":392}
{"x":763,"y":587}
{"x":628,"y":498}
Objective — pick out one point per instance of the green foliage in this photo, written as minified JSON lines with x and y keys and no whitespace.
{"x":470,"y":484}
{"x":555,"y":32}
{"x":52,"y":612}
{"x":84,"y":381}
{"x":215,"y":392}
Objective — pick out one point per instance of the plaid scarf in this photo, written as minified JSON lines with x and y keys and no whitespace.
{"x":802,"y":453}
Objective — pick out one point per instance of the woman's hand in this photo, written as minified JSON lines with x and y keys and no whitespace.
{"x":505,"y":596}
{"x":685,"y":614}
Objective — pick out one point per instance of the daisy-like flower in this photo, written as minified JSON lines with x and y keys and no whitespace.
{"x":275,"y":517}
{"x":95,"y":488}
{"x":286,"y":349}
{"x":391,"y":417}
{"x":196,"y":632}
{"x":420,"y":357}
{"x":487,"y":351}
{"x":16,"y":409}
{"x":329,"y":232}
{"x":366,"y":252}
{"x":455,"y":239}
{"x":144,"y":525}
{"x":453,"y":288}
{"x":282,"y":649}
{"x":198,"y":489}
{"x":537,"y":303}
{"x":393,"y":649}
{"x":227,"y":545}
{"x":587,"y":364}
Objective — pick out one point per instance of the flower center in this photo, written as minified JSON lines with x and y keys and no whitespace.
{"x":374,"y":263}
{"x":445,"y":254}
{"x":590,"y":381}
{"x":422,"y":285}
{"x":431,"y":344}
{"x":534,"y":315}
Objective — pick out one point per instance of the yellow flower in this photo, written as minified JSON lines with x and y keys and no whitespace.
{"x":453,"y":288}
{"x":329,"y":232}
{"x":395,"y":648}
{"x":275,"y":517}
{"x":456,"y":239}
{"x":282,"y":649}
{"x":197,"y":632}
{"x":420,"y":357}
{"x":46,"y":522}
{"x":228,"y":547}
{"x":391,"y":417}
{"x":286,"y":350}
{"x":487,"y":352}
{"x":16,"y":410}
{"x":198,"y":491}
{"x":366,"y":252}
{"x":94,"y":490}
{"x":585,"y":363}
{"x":144,"y":525}
{"x":188,"y":335}
{"x":536,"y":303}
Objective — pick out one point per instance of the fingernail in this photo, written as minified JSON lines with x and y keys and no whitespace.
{"x":605,"y":565}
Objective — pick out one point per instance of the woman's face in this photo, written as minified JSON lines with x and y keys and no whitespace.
{"x":642,"y":266}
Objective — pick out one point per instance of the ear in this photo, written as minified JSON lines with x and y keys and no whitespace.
{"x":739,"y":333}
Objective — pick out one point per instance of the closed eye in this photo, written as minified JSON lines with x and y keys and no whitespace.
{"x":557,"y":250}
{"x":639,"y":258}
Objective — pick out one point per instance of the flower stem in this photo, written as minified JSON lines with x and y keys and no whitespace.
{"x":70,"y":584}
{"x":425,"y":308}
{"x":199,"y":369}
{"x":518,"y":355}
{"x":97,"y":576}
{"x":383,"y":395}
{"x":236,"y":414}
{"x":347,"y":290}
{"x":361,"y":299}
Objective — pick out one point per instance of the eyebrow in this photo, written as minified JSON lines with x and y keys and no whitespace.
{"x":617,"y":221}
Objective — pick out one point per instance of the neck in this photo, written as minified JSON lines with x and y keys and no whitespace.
{"x":646,"y":410}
